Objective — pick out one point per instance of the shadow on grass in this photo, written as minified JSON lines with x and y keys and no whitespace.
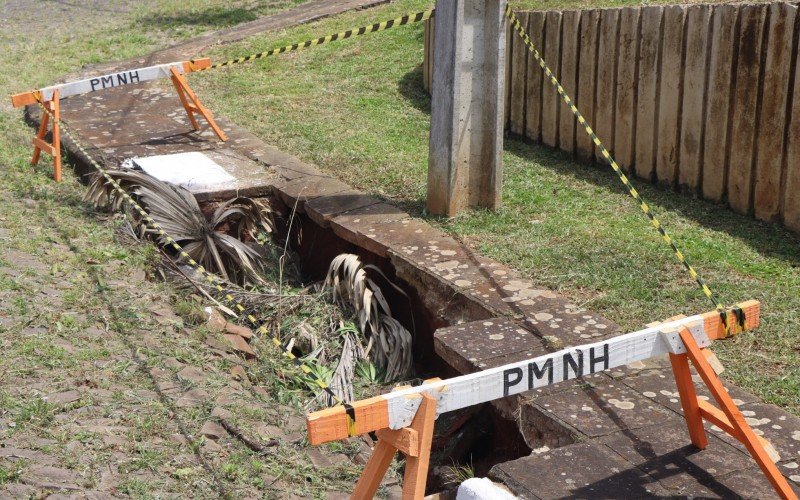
{"x":768,"y":239}
{"x":412,"y":88}
{"x":213,"y":17}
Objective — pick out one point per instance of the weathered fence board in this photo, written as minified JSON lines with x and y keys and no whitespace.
{"x":647,"y":104}
{"x":587,"y":79}
{"x":748,"y":64}
{"x":694,"y":90}
{"x":772,"y":124}
{"x":695,"y":97}
{"x":551,"y":102}
{"x":519,"y":80}
{"x":533,"y":115}
{"x":720,"y":70}
{"x":604,"y":123}
{"x":570,"y":29}
{"x":791,"y":187}
{"x":625,"y":103}
{"x":669,"y":103}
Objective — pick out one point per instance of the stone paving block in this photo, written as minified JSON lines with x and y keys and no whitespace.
{"x":605,"y":408}
{"x":321,"y":210}
{"x":664,"y":451}
{"x":285,"y":165}
{"x":467,"y":347}
{"x":776,"y":425}
{"x":658,"y":384}
{"x":359,"y":226}
{"x":572,"y":325}
{"x":750,"y":483}
{"x":582,"y":470}
{"x":296,"y":192}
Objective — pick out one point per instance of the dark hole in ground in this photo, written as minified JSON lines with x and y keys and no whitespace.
{"x":473,"y":439}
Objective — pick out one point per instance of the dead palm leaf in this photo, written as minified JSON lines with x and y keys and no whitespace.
{"x":176,"y":211}
{"x":388,"y":342}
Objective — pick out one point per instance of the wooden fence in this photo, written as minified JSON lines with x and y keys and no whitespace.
{"x":702,"y":98}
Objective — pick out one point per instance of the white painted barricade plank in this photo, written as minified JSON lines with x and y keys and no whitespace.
{"x":111,"y":80}
{"x":397,"y":409}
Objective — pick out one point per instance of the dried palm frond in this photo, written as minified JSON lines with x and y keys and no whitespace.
{"x":341,"y":382}
{"x":389,"y":343}
{"x":216,"y":243}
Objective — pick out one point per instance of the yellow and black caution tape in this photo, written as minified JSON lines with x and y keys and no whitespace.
{"x":260,"y":328}
{"x":633,"y":192}
{"x":385,"y":25}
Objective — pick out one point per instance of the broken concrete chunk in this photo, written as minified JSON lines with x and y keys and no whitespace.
{"x":212,"y":430}
{"x":241,"y":331}
{"x":240,"y":345}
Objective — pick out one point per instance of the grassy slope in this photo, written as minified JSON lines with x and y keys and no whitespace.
{"x":42,"y":219}
{"x":357,"y":108}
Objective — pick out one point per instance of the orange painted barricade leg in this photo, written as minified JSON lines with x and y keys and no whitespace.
{"x":414,"y":442}
{"x":192,"y":104}
{"x":39,"y":142}
{"x":727,"y":417}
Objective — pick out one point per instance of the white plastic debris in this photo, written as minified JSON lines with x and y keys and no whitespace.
{"x":481,"y":488}
{"x":190,"y":170}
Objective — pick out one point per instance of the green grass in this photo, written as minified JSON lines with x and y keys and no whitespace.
{"x":357,"y":109}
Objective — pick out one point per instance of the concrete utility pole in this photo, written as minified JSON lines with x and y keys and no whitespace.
{"x":465,"y":165}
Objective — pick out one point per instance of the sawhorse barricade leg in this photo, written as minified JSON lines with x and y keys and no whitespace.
{"x":727,"y":417}
{"x":192,"y":104}
{"x":414,"y":442}
{"x":40,"y":144}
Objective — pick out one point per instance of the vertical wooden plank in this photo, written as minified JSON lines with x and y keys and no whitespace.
{"x":791,"y":187}
{"x":426,"y":57}
{"x":533,"y":111}
{"x":720,"y":70}
{"x":742,"y":146}
{"x":518,"y":81}
{"x":510,"y":34}
{"x":669,"y":102}
{"x":590,"y":19}
{"x":647,"y":99}
{"x":772,"y":122}
{"x":694,"y":91}
{"x":570,"y":28}
{"x":606,"y":80}
{"x":625,"y":103}
{"x":551,"y":101}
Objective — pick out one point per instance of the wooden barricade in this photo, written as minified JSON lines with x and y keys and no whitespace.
{"x":403,"y":419}
{"x":49,"y":98}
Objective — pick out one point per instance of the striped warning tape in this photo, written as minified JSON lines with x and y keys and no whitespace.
{"x":385,"y":25}
{"x":633,"y":192}
{"x":215,"y":281}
